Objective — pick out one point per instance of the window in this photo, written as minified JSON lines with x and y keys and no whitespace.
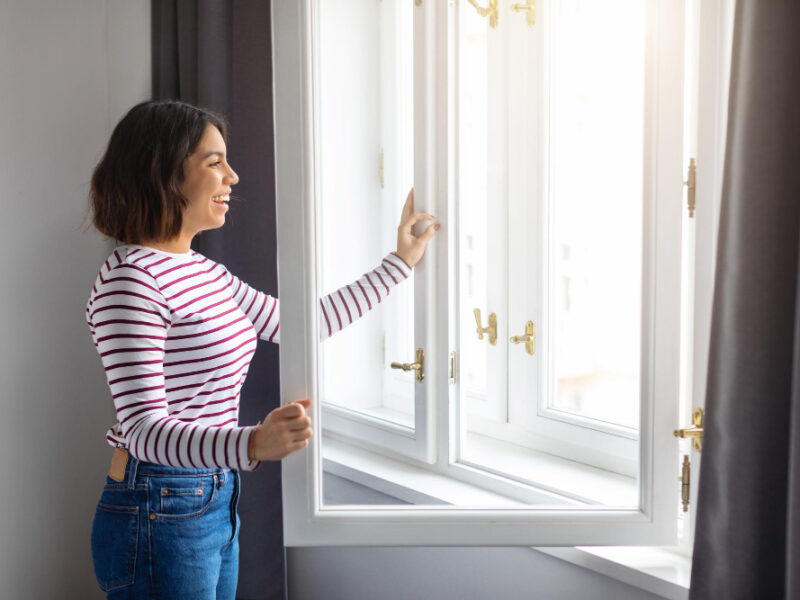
{"x":552,"y":154}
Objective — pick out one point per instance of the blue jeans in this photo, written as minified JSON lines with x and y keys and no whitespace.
{"x":168,"y":532}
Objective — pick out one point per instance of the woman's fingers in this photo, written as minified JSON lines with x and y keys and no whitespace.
{"x":428,"y":233}
{"x":302,"y":435}
{"x":297,"y":446}
{"x":299,"y":424}
{"x":294,"y":409}
{"x":290,"y":411}
{"x":409,"y":222}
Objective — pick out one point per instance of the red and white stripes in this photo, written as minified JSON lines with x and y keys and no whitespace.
{"x":176,"y":333}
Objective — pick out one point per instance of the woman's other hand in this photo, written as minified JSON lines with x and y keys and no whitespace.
{"x":409,"y":247}
{"x":285,"y":429}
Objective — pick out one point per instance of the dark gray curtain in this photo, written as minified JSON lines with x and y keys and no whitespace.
{"x":747,"y":540}
{"x":217,"y":54}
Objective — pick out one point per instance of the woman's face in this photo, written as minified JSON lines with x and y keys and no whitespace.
{"x":207,"y":183}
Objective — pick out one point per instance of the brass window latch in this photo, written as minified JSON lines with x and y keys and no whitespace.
{"x":695,"y":432}
{"x":491,"y":329}
{"x":529,"y":8}
{"x":487,"y":11}
{"x":529,"y":339}
{"x":418,"y":365}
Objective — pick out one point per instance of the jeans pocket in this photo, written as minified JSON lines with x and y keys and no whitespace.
{"x":178,"y":498}
{"x":115,"y":537}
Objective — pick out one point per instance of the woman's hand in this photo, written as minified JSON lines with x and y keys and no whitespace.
{"x":411,"y":248}
{"x":285,"y":429}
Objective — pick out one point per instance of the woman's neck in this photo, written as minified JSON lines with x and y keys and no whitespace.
{"x":177,"y":245}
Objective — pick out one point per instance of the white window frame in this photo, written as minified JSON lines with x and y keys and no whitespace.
{"x":307,"y":520}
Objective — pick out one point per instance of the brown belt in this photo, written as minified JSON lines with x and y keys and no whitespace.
{"x":118,"y":462}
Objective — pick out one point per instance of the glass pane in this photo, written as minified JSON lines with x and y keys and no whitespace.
{"x":365,"y":135}
{"x":596,"y":135}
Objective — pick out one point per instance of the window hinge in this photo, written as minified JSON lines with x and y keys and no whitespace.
{"x":695,"y":433}
{"x":685,"y":478}
{"x":452,"y":377}
{"x":690,"y":183}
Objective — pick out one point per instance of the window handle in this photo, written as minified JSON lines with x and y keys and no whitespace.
{"x":488,"y":11}
{"x":529,"y":339}
{"x":530,"y":11}
{"x":418,"y":366}
{"x":491,"y":329}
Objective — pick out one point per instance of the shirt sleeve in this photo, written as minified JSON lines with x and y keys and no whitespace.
{"x":337,"y":310}
{"x":128,"y":319}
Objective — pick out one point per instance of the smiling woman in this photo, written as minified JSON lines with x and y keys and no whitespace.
{"x":176,"y":333}
{"x":207,"y":187}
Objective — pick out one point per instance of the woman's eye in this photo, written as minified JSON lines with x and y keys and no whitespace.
{"x":215,"y":164}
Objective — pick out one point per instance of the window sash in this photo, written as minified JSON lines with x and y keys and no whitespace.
{"x":517,"y":58}
{"x":378,"y":412}
{"x":307,"y":521}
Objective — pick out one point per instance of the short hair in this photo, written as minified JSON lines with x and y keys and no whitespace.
{"x":135,"y":191}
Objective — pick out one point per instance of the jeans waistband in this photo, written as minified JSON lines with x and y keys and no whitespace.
{"x":135,"y":467}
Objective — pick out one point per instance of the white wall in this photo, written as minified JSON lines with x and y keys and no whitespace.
{"x":68,"y":72}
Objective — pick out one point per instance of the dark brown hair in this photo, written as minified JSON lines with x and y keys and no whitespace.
{"x":135,"y":193}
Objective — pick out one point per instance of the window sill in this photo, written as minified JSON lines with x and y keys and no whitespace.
{"x":659,"y":571}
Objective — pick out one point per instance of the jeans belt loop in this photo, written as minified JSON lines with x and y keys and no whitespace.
{"x":133,"y":464}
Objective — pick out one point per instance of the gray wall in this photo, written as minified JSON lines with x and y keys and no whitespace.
{"x":446,"y":573}
{"x":68,"y":72}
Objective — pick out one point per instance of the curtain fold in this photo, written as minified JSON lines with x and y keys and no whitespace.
{"x":746,"y":538}
{"x":218,"y":55}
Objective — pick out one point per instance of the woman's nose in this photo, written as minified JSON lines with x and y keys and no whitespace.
{"x":232,"y":176}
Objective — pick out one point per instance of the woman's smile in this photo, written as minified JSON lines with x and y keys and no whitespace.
{"x":222,"y":201}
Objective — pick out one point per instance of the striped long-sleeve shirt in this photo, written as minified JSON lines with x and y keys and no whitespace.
{"x":176,"y":333}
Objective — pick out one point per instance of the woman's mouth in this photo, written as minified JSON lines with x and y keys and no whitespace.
{"x":221,"y":201}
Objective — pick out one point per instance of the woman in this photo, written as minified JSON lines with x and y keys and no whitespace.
{"x":176,"y":332}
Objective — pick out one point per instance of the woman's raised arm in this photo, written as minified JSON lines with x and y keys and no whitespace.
{"x":351,"y":302}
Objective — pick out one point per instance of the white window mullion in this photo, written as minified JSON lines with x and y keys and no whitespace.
{"x":430,"y":195}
